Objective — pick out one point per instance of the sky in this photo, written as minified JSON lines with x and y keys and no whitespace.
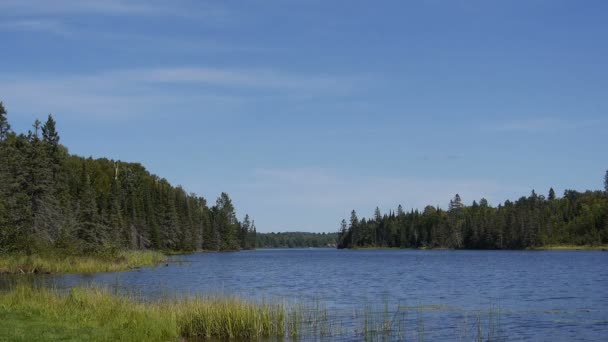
{"x":305,"y":110}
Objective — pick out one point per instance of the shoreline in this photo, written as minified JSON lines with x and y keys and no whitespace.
{"x":60,"y":264}
{"x":601,"y":248}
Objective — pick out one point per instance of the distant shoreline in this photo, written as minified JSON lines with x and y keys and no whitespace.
{"x":542,"y":248}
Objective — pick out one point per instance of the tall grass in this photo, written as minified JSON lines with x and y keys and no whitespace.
{"x":53,"y":263}
{"x":28,"y":313}
{"x":112,"y":317}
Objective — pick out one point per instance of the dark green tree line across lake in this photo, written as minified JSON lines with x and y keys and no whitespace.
{"x":50,"y":199}
{"x":296,"y":240}
{"x":577,"y":218}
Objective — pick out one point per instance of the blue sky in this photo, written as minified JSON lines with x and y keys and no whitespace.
{"x":304,"y":110}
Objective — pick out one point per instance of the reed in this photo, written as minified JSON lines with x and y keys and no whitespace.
{"x":96,"y":314}
{"x":53,"y":263}
{"x":29,"y":313}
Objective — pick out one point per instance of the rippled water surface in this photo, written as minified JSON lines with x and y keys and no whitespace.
{"x":516,"y":295}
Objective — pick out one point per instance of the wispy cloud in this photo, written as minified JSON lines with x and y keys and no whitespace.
{"x":111,"y":7}
{"x":541,"y":124}
{"x":330,"y":189}
{"x":250,"y":78}
{"x":37,"y":25}
{"x":119,"y":93}
{"x":329,"y":194}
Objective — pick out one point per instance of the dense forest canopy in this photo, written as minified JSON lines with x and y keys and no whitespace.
{"x":50,"y":199}
{"x":577,"y":218}
{"x":296,"y":240}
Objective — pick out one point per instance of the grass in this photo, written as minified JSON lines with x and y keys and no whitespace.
{"x":92,"y":314}
{"x":27,"y":264}
{"x":573,"y":247}
{"x":29,"y":313}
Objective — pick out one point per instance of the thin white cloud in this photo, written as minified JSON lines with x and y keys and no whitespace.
{"x":541,"y":124}
{"x":36,"y":25}
{"x":320,"y":197}
{"x":133,"y":92}
{"x":110,"y":7}
{"x":249,"y":78}
{"x":329,"y":189}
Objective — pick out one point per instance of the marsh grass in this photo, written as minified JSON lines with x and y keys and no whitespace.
{"x":29,"y":313}
{"x":109,"y":317}
{"x":53,"y":263}
{"x":571,"y":248}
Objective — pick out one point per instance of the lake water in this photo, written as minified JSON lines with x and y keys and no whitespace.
{"x":438,"y":294}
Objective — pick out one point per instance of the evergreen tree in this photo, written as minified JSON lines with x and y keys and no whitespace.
{"x":225,"y":220}
{"x":50,"y":199}
{"x":4,"y":126}
{"x":377,"y":214}
{"x":551,"y":196}
{"x":89,"y":231}
{"x":343,"y":227}
{"x":245,"y":226}
{"x":400,"y":211}
{"x":576,"y":218}
{"x":456,"y":203}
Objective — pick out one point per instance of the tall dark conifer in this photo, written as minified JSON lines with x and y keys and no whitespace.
{"x":4,"y":125}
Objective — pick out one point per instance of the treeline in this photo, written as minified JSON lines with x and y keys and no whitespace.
{"x":534,"y":221}
{"x":296,"y":240}
{"x":50,"y":199}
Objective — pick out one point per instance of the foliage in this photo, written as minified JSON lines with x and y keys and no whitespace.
{"x":530,"y":222}
{"x":54,"y":263}
{"x":28,"y":313}
{"x":50,"y":199}
{"x":96,"y":314}
{"x":296,"y":240}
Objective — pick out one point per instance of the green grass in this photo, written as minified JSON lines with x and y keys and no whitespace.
{"x":25,"y":264}
{"x":573,"y":247}
{"x":92,"y":314}
{"x":29,"y":313}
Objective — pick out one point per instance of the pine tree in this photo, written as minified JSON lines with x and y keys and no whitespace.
{"x":456,"y":203}
{"x":49,"y":198}
{"x":551,"y":196}
{"x":14,"y":184}
{"x":89,"y":231}
{"x":40,"y":189}
{"x":51,"y":139}
{"x":377,"y":214}
{"x":254,"y":234}
{"x":226,"y":222}
{"x":354,"y":229}
{"x":245,"y":226}
{"x":343,"y":227}
{"x":400,"y":211}
{"x":4,"y":125}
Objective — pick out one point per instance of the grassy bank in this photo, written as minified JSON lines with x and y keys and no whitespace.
{"x":32,"y":314}
{"x":572,"y":248}
{"x":25,"y":264}
{"x":29,"y":313}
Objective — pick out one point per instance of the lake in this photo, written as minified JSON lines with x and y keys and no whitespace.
{"x":430,"y":294}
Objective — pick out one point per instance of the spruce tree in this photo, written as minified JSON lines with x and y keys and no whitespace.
{"x":245,"y":227}
{"x":89,"y":231}
{"x":4,"y":125}
{"x":551,"y":196}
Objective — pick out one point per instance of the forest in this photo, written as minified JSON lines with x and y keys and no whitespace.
{"x":53,"y":200}
{"x":576,"y":218}
{"x":296,"y":240}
